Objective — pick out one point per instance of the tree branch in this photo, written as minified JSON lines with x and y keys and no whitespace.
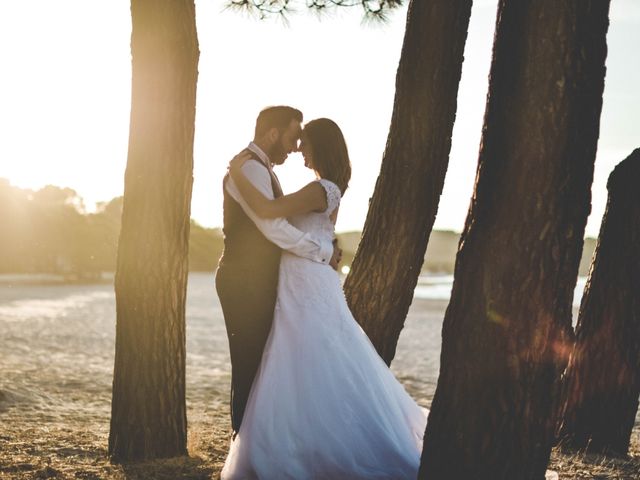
{"x":372,"y":9}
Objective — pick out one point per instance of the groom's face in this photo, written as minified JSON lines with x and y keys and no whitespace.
{"x":286,"y":143}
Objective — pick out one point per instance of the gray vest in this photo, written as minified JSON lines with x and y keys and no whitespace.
{"x":245,"y":247}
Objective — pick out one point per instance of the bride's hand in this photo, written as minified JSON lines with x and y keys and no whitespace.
{"x":238,"y":161}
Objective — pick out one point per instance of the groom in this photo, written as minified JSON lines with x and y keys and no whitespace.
{"x":247,"y":275}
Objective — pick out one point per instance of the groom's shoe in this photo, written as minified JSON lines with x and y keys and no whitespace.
{"x":234,"y":434}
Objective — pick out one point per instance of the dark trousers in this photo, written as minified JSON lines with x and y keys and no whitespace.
{"x":248,"y":301}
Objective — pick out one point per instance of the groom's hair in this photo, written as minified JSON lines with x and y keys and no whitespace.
{"x":276,"y":117}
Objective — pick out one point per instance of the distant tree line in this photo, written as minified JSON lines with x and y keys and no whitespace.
{"x":49,"y":231}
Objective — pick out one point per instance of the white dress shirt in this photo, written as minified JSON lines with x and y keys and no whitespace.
{"x":277,"y":230}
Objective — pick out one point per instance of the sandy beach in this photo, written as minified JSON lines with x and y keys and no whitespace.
{"x":56,"y":364}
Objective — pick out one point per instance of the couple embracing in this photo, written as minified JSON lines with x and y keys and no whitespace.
{"x":311,"y":398}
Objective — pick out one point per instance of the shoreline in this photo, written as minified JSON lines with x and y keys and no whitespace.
{"x":102,"y":277}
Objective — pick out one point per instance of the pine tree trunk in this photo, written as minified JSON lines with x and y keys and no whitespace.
{"x":385,"y":270}
{"x":507,"y":330}
{"x":148,"y":418}
{"x":602,"y":382}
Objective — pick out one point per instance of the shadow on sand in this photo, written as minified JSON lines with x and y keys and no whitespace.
{"x":179,"y":468}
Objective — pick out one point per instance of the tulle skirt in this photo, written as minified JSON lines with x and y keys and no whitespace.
{"x":323,"y":404}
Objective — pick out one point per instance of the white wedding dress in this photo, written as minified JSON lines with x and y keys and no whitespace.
{"x":323,"y":404}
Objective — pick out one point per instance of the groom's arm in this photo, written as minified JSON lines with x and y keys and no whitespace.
{"x":278,"y":230}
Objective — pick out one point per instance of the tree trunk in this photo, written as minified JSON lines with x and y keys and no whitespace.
{"x":385,"y":270}
{"x":507,"y":330}
{"x":148,"y":418}
{"x":602,"y":382}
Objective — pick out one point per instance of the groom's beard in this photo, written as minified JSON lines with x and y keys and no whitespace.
{"x":277,"y":153}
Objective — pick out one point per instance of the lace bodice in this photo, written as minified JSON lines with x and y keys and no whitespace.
{"x":319,"y":223}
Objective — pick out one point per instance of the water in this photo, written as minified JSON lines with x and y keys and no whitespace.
{"x":57,"y":347}
{"x":438,"y":287}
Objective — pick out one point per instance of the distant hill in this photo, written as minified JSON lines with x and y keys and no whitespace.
{"x":442,"y":248}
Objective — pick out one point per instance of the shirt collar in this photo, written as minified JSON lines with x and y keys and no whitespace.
{"x":260,"y":153}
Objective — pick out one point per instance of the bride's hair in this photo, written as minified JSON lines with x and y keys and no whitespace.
{"x":329,"y":151}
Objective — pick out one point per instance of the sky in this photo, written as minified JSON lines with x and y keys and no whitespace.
{"x":65,"y":97}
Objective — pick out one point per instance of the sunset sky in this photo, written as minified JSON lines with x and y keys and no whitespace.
{"x":65,"y":96}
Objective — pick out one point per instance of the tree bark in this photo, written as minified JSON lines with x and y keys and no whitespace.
{"x":148,"y":418}
{"x":507,"y":330}
{"x":385,"y":270}
{"x":602,"y":382}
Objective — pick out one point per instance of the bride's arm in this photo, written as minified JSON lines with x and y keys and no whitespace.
{"x":334,"y":215}
{"x":310,"y":198}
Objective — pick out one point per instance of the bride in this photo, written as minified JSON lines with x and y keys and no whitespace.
{"x":323,"y":404}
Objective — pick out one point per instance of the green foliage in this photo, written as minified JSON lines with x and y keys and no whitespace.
{"x":205,"y":248}
{"x":372,"y":9}
{"x":49,"y":231}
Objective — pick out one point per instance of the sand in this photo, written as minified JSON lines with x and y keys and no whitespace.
{"x":77,"y":449}
{"x":56,"y":362}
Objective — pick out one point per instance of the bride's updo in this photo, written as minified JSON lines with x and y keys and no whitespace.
{"x":329,"y":151}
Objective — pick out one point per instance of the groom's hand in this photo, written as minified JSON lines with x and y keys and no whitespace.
{"x":336,"y":258}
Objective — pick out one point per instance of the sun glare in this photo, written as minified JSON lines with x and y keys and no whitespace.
{"x":65,"y":116}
